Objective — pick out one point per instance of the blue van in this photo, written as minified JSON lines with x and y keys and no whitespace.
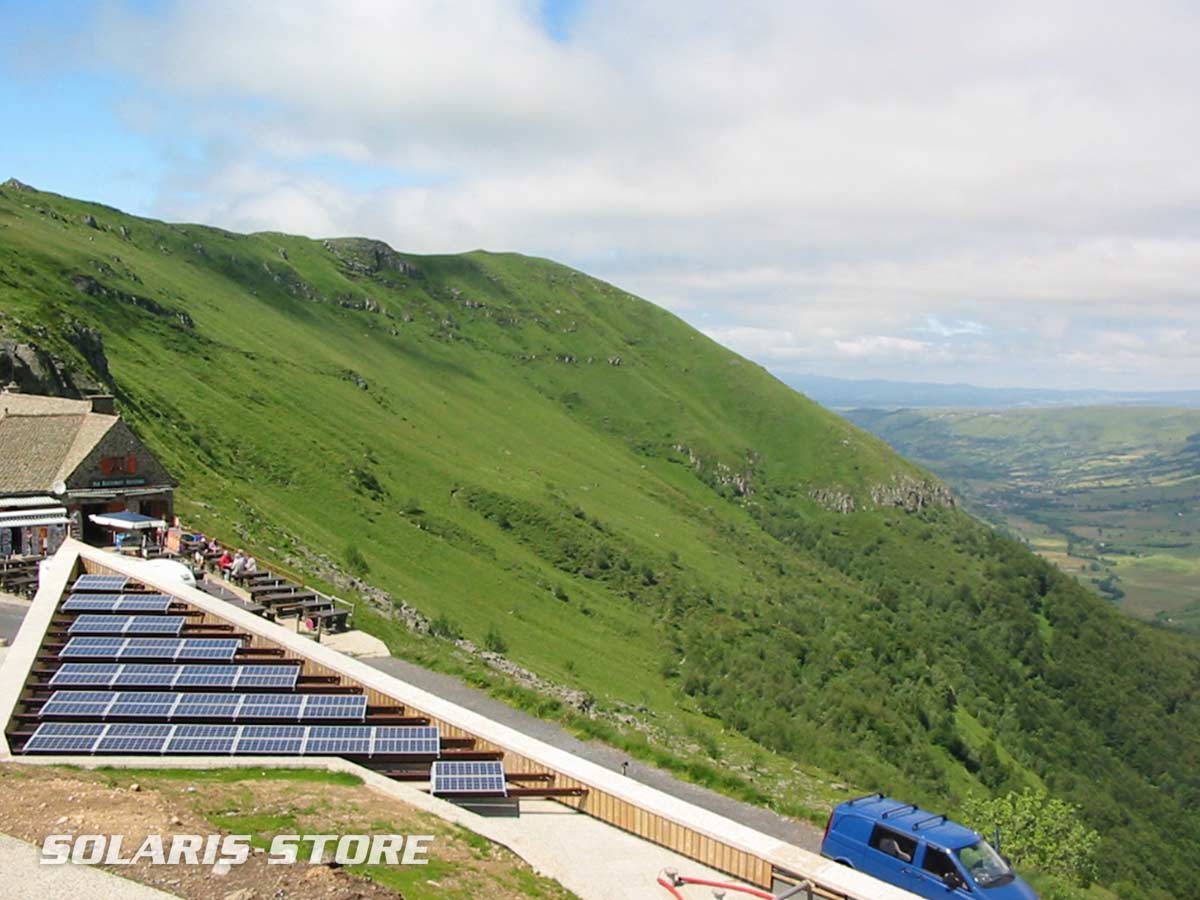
{"x":920,"y":852}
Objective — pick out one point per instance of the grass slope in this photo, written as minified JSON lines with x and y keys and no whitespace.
{"x":513,"y":447}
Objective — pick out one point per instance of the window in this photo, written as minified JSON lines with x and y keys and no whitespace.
{"x":938,"y":863}
{"x":893,"y":843}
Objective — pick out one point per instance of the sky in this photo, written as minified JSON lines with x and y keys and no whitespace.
{"x":1002,"y":194}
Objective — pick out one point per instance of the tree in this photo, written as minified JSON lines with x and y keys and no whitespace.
{"x":1039,"y":832}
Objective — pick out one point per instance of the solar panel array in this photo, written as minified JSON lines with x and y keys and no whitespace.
{"x":143,"y":648}
{"x":112,"y":603}
{"x":161,"y":705}
{"x":341,"y":740}
{"x":100,"y":583}
{"x":112,"y":675}
{"x":463,"y":777}
{"x":93,"y":624}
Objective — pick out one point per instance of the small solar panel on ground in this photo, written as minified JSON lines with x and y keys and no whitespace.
{"x":468,"y":777}
{"x":64,"y":737}
{"x":100,"y":583}
{"x":407,"y":740}
{"x":97,"y":624}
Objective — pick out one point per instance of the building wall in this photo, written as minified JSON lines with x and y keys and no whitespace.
{"x":119,"y":460}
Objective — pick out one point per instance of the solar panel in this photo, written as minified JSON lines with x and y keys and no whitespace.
{"x":202,"y":739}
{"x":334,"y":706}
{"x":95,"y":624}
{"x":80,"y":674}
{"x":409,"y":740}
{"x":287,"y":739}
{"x":117,"y":603}
{"x":207,"y":676}
{"x":210,"y":706}
{"x":143,"y":648}
{"x":146,"y":675}
{"x":77,"y":703}
{"x":64,"y":737}
{"x":268,"y":676}
{"x":100,"y":583}
{"x":159,"y":737}
{"x":92,"y":646}
{"x":148,"y":704}
{"x":463,"y":777}
{"x":134,"y":738}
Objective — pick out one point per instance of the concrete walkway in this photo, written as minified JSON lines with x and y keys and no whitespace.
{"x":802,"y":834}
{"x":22,"y":877}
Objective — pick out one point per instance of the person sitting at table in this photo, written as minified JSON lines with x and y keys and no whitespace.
{"x":238,"y":565}
{"x":224,"y":564}
{"x":198,"y":559}
{"x":213,"y":546}
{"x":251,"y":566}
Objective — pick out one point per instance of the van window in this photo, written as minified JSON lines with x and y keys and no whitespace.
{"x":893,"y":843}
{"x":937,"y":863}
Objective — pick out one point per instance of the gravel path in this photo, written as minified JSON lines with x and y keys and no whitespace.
{"x":24,"y":878}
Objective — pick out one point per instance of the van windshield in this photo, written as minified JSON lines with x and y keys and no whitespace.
{"x":985,"y":865}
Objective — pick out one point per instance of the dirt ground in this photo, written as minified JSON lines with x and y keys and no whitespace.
{"x":36,"y":801}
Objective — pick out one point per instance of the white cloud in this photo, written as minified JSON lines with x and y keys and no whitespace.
{"x":812,"y":184}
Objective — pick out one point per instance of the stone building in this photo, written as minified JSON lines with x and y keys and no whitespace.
{"x":62,"y":461}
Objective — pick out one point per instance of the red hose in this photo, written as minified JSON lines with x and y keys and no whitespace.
{"x":753,"y":892}
{"x":662,"y":879}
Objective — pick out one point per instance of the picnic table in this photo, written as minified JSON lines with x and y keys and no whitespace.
{"x":290,"y":596}
{"x":274,"y":586}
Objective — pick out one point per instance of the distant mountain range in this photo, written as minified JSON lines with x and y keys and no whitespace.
{"x":847,"y":393}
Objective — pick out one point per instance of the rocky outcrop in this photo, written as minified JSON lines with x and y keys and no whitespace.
{"x":722,"y":474}
{"x":912,"y":494}
{"x":13,"y":185}
{"x":88,"y":285}
{"x":90,"y":345}
{"x":37,"y":371}
{"x":834,"y":500}
{"x":361,"y":256}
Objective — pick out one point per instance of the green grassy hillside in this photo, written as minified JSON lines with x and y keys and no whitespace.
{"x":545,"y":464}
{"x":1109,"y":494}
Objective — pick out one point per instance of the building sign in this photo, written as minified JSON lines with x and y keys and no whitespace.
{"x":119,"y":465}
{"x":117,"y":482}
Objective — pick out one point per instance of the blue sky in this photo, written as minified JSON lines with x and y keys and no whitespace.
{"x":940,"y":191}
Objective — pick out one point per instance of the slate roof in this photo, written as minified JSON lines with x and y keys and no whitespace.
{"x":44,"y":439}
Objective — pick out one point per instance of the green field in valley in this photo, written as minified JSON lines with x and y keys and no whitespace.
{"x":1109,"y":494}
{"x":745,"y":587}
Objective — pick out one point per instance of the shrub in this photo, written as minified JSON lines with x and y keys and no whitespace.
{"x":445,"y":627}
{"x":494,"y":641}
{"x":356,"y":563}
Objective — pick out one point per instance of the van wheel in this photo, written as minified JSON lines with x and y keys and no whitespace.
{"x":844,"y":862}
